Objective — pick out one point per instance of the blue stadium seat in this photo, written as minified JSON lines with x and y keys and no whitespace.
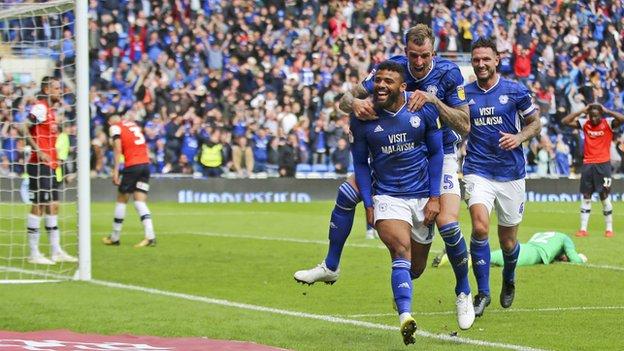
{"x":304,"y":168}
{"x":321,"y":168}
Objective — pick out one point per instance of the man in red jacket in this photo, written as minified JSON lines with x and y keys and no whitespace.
{"x":522,"y":60}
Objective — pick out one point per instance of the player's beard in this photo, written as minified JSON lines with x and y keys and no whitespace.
{"x":390,"y":100}
{"x":490,"y":73}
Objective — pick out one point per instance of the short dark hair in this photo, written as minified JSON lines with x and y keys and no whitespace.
{"x":392,"y":66}
{"x":485,"y":42}
{"x":45,"y":83}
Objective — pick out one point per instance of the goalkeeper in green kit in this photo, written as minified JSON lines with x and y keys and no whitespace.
{"x":543,"y":247}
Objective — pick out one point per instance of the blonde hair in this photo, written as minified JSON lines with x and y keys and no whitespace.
{"x":418,"y":34}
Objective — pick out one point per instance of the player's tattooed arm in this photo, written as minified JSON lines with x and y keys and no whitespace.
{"x":532,"y":128}
{"x":458,"y":118}
{"x":571,"y":120}
{"x":355,"y":102}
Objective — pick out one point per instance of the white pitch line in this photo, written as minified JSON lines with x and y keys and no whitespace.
{"x":325,"y":242}
{"x":548,"y":309}
{"x":601,"y":266}
{"x":270,"y":238}
{"x":325,"y":318}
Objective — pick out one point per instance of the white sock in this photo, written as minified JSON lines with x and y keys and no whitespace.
{"x":51,"y":224}
{"x":33,"y":223}
{"x":120,"y":214}
{"x":585,"y":211}
{"x":146,"y":219}
{"x":403,"y":316}
{"x":607,"y":211}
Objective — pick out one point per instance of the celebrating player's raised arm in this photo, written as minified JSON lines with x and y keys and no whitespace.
{"x":453,"y":110}
{"x":356,"y":102}
{"x":457,"y":118}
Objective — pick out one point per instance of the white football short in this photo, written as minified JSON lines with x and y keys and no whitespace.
{"x":450,"y":182}
{"x":506,"y":197}
{"x":408,"y":210}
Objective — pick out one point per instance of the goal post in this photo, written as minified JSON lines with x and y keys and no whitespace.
{"x":39,"y":40}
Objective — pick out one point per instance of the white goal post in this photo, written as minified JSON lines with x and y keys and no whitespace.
{"x":34,"y":38}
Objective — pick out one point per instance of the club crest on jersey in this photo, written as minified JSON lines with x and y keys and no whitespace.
{"x":503,"y":99}
{"x":432,"y":89}
{"x":415,"y":121}
{"x":461,"y":94}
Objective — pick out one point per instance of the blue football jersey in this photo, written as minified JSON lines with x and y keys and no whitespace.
{"x":502,"y":108}
{"x":444,"y":80}
{"x":399,"y":145}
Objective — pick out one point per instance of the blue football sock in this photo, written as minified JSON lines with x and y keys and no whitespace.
{"x":341,"y":223}
{"x":458,"y":255}
{"x":480,"y":252}
{"x":510,"y":259}
{"x":402,"y":285}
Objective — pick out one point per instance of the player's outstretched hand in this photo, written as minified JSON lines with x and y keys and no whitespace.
{"x":509,"y":141}
{"x":364,"y":109}
{"x":370,"y":216}
{"x":432,"y":208}
{"x":418,"y":100}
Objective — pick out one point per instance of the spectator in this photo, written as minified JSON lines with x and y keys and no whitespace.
{"x":261,"y":142}
{"x":180,"y":66}
{"x":273,"y":155}
{"x":522,"y":60}
{"x":211,"y":156}
{"x":183,"y":166}
{"x":318,"y":141}
{"x":341,"y":157}
{"x":242,"y":158}
{"x":289,"y":156}
{"x":562,"y":157}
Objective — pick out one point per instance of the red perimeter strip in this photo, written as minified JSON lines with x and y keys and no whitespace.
{"x":65,"y":340}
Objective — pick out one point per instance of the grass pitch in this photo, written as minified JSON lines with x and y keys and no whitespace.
{"x":225,"y":271}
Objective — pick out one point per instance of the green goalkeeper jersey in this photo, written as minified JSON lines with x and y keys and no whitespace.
{"x":542,"y":248}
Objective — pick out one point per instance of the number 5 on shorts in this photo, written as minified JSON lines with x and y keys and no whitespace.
{"x":448,"y":182}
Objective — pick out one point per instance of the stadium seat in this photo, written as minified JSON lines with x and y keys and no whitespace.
{"x":304,"y":168}
{"x":321,"y":168}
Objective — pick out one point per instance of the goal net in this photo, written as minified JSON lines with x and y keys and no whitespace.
{"x":37,"y":40}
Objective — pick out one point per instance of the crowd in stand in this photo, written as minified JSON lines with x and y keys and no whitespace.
{"x":246,"y":87}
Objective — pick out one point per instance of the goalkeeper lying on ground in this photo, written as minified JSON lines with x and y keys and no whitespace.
{"x":544,"y":247}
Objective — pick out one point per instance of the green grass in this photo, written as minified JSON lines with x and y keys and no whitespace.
{"x":233,"y":252}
